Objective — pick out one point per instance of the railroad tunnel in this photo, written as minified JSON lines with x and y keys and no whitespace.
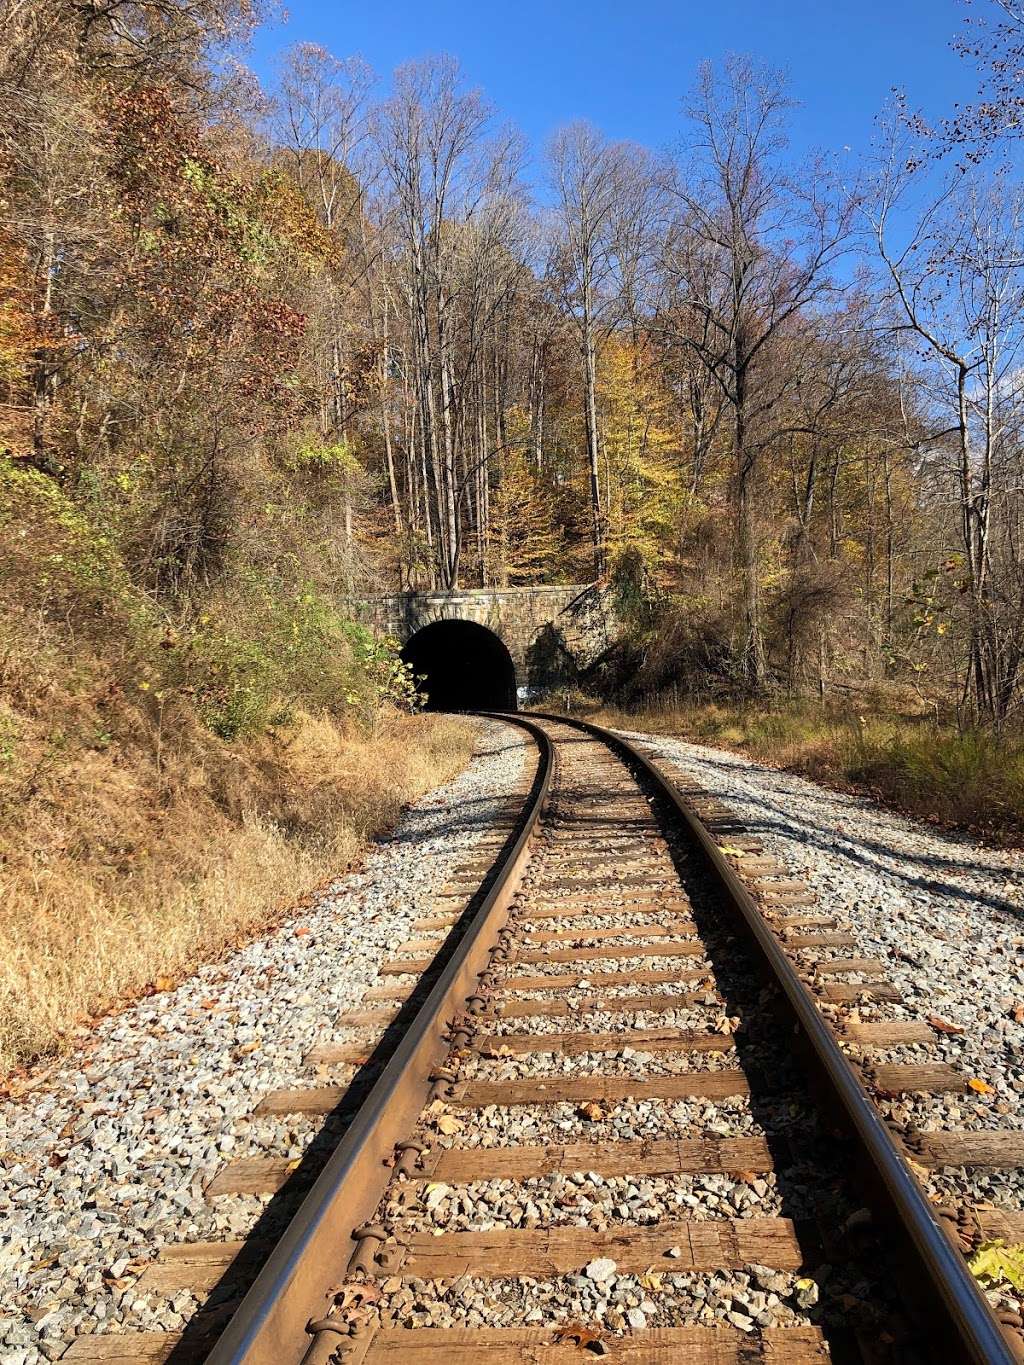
{"x":462,"y":667}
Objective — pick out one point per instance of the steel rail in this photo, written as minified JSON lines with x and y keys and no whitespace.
{"x":979,"y":1338}
{"x":269,"y":1325}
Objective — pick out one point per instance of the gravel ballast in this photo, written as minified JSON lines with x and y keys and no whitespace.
{"x":105,"y":1159}
{"x":943,"y":914}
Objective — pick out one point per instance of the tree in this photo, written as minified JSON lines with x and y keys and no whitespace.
{"x":751,"y":250}
{"x":603,"y":198}
{"x":956,"y":287}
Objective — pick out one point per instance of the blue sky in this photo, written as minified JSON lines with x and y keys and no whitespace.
{"x":625,"y":66}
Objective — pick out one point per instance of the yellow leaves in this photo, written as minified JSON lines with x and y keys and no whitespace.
{"x":997,"y":1263}
{"x":805,"y":1282}
{"x":448,"y":1125}
{"x":591,"y":1111}
{"x":981,"y":1087}
{"x":652,"y":1279}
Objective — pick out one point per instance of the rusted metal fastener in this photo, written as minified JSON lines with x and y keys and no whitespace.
{"x":1012,"y":1327}
{"x":368,"y":1239}
{"x":460,"y":1031}
{"x":409,"y":1158}
{"x":328,"y":1335}
{"x":375,"y":1247}
{"x":956,"y":1225}
{"x":477,"y":1004}
{"x":442,"y":1079}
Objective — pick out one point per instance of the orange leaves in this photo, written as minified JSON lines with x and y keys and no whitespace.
{"x":941,"y":1026}
{"x":981,"y":1087}
{"x":585,"y":1338}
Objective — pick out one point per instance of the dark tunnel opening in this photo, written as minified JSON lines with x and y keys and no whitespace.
{"x":462,"y":667}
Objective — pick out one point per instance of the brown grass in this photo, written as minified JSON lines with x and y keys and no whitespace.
{"x":971,"y":780}
{"x":130,"y":856}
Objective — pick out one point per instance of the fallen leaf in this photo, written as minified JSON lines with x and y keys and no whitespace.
{"x":747,"y":1177}
{"x":586,"y":1338}
{"x":448,"y":1125}
{"x":652,"y":1279}
{"x":942,"y":1026}
{"x":249,"y":1047}
{"x":996,"y":1263}
{"x":1018,"y":1014}
{"x":981,"y":1087}
{"x":302,"y":931}
{"x":592,"y":1111}
{"x":355,"y":1295}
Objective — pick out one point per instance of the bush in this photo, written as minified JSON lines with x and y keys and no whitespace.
{"x":251,"y":663}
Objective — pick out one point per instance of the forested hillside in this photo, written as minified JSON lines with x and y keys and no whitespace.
{"x":265,"y":348}
{"x":330,"y":336}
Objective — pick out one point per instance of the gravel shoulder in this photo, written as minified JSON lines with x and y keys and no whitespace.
{"x":945,"y":915}
{"x":105,"y":1159}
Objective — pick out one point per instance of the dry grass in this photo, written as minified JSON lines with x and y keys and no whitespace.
{"x":123,"y":870}
{"x":971,"y":780}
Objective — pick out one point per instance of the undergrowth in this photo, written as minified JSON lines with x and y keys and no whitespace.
{"x":171,"y":780}
{"x":970,"y":779}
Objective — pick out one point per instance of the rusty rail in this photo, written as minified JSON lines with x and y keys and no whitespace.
{"x":298,"y":1275}
{"x":978,"y":1336}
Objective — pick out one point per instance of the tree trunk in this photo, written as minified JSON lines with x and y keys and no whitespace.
{"x":753,"y":643}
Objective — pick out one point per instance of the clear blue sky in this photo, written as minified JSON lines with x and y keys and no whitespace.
{"x":626,"y":65}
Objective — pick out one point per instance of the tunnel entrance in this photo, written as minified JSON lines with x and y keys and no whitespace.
{"x":463,"y":667}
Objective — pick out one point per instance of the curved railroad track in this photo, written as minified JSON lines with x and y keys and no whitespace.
{"x":627,"y":1116}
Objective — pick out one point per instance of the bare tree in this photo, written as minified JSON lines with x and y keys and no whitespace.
{"x":956,"y":286}
{"x":751,"y":250}
{"x":603,"y":197}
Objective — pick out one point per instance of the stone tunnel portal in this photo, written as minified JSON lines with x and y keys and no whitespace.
{"x":463,"y":667}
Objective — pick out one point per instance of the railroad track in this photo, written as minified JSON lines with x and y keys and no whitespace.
{"x":633,"y":1111}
